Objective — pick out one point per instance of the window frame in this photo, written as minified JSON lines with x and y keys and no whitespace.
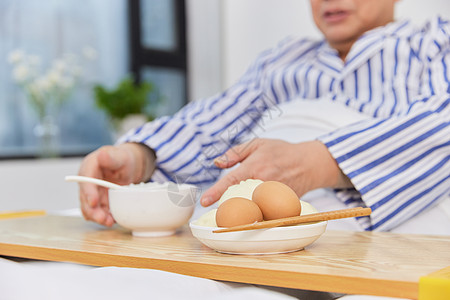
{"x":141,"y":56}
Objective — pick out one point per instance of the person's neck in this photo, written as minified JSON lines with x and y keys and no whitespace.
{"x":343,"y":48}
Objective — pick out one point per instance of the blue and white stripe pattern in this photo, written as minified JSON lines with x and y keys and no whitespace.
{"x":398,"y":75}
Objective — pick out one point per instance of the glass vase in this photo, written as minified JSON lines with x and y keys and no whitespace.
{"x":47,"y":136}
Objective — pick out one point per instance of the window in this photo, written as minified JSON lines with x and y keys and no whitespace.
{"x":50,"y":29}
{"x":158,"y":49}
{"x":144,"y":37}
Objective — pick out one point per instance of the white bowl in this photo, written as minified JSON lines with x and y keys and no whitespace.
{"x":151,"y":210}
{"x":260,"y":241}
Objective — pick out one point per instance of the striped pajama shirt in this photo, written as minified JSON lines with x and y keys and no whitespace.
{"x":397,"y":160}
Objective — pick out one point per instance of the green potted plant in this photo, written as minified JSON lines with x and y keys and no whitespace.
{"x":126,"y":103}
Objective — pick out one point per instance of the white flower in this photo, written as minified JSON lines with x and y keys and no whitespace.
{"x":59,"y":65}
{"x":70,"y":58}
{"x":89,"y":52}
{"x":76,"y":71}
{"x":50,"y":87}
{"x":21,"y":73}
{"x":35,"y":89}
{"x":44,"y":84}
{"x":34,"y":60}
{"x":54,"y":76}
{"x":16,"y":56}
{"x":66,"y":82}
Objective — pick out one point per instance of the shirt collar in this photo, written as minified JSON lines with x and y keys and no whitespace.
{"x":369,"y":43}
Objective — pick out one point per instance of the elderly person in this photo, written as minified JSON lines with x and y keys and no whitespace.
{"x":394,"y":160}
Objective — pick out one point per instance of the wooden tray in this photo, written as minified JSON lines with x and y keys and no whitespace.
{"x":383,"y":264}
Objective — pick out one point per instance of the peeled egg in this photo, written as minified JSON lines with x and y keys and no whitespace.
{"x":238,"y":211}
{"x":243,"y":189}
{"x":307,"y":208}
{"x":207,"y":219}
{"x":276,"y":200}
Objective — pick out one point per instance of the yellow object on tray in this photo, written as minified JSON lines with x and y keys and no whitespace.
{"x":21,"y":214}
{"x":435,"y":286}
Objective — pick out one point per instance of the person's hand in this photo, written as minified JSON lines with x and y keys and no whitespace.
{"x":303,"y":167}
{"x":123,"y":164}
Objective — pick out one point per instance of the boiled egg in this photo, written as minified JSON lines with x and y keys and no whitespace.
{"x":276,"y":200}
{"x":243,"y":189}
{"x":238,"y":211}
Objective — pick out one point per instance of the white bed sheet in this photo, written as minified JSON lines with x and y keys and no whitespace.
{"x":51,"y":280}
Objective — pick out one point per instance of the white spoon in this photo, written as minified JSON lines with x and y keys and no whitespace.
{"x":96,"y":181}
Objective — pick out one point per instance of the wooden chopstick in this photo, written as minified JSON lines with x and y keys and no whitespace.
{"x":316,"y":217}
{"x":21,"y":214}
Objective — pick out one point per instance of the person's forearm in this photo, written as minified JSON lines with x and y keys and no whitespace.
{"x":398,"y":165}
{"x":327,"y":172}
{"x":343,"y":181}
{"x":145,"y":161}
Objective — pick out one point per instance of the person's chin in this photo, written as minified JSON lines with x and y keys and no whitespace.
{"x":339,"y":35}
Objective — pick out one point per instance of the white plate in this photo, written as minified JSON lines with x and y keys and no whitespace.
{"x":260,"y":241}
